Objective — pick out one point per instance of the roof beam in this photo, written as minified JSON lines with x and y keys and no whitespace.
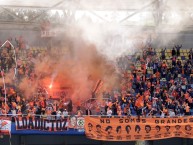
{"x":47,"y":9}
{"x":138,"y":11}
{"x":11,"y":13}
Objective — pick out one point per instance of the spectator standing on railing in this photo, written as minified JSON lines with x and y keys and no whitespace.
{"x":42,"y":104}
{"x":58,"y":114}
{"x":37,"y":112}
{"x":65,"y":113}
{"x":31,"y":109}
{"x":13,"y":109}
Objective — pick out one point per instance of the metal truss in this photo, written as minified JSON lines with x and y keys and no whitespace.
{"x":104,"y":12}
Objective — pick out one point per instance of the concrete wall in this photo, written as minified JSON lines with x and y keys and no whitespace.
{"x":34,"y":38}
{"x":79,"y":140}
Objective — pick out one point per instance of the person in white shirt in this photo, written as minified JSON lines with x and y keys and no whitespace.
{"x":58,"y":114}
{"x":162,"y":114}
{"x":65,"y":113}
{"x":109,"y":111}
{"x":172,"y":113}
{"x":13,"y":112}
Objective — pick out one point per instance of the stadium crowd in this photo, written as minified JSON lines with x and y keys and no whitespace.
{"x":156,"y":82}
{"x":17,"y":64}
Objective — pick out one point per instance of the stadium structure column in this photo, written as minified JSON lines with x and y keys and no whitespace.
{"x":144,"y":142}
{"x":22,"y":140}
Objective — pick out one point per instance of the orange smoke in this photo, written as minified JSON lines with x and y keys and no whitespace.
{"x":79,"y":69}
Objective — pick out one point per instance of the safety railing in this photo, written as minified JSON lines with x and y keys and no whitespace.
{"x":108,"y":116}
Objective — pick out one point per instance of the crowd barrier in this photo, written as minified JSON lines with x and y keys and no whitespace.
{"x":111,"y":128}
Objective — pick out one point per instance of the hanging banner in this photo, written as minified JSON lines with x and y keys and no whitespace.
{"x":5,"y":126}
{"x":80,"y":124}
{"x":29,"y":123}
{"x":72,"y":122}
{"x":131,"y":128}
{"x":76,"y":122}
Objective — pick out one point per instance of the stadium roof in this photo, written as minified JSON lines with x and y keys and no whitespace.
{"x":30,"y":3}
{"x":94,"y":4}
{"x":126,"y":12}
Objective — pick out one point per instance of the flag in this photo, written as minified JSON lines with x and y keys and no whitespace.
{"x":98,"y":86}
{"x":139,"y":102}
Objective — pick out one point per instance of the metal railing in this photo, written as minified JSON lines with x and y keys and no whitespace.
{"x":108,"y":116}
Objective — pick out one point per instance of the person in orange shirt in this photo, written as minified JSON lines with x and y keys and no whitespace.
{"x":139,"y":101}
{"x":164,"y":65}
{"x":131,"y":77}
{"x":157,"y":75}
{"x":187,"y":109}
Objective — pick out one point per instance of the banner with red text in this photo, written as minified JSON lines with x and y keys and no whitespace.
{"x":131,"y":128}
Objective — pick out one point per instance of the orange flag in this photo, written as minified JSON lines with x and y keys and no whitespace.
{"x":139,"y":102}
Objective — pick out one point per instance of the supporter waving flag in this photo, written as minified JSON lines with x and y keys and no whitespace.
{"x":139,"y":101}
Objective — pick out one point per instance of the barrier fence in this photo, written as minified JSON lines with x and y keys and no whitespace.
{"x":111,"y":128}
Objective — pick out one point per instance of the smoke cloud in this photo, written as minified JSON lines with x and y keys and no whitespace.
{"x":79,"y":69}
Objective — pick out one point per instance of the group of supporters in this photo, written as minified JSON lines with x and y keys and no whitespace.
{"x":157,"y":82}
{"x":17,"y":64}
